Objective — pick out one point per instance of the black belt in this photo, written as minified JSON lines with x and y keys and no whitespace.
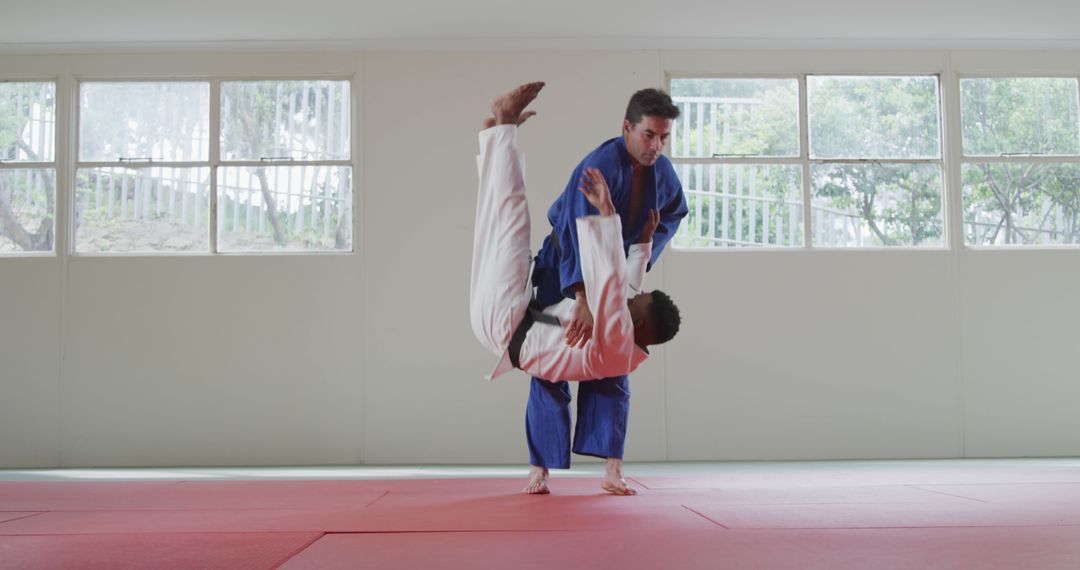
{"x":533,"y":314}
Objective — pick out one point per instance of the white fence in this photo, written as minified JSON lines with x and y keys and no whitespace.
{"x":306,"y":121}
{"x":730,"y":207}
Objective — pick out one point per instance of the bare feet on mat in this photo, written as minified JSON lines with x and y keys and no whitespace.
{"x":613,"y":480}
{"x":509,"y":108}
{"x":538,"y":481}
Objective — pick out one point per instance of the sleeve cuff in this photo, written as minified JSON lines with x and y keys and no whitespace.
{"x":643,"y":249}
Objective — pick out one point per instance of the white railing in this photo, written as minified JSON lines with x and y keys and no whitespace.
{"x":733,"y":209}
{"x":178,"y":196}
{"x":303,"y":196}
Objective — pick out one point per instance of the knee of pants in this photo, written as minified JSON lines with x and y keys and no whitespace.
{"x":612,"y":389}
{"x":549,"y":394}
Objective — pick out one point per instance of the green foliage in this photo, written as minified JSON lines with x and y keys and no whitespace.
{"x":277,"y":119}
{"x":873,"y":117}
{"x":752,"y":117}
{"x":27,"y":111}
{"x":898,"y":204}
{"x":124,"y":209}
{"x":765,"y":208}
{"x":860,"y":119}
{"x":10,"y":126}
{"x":248,"y":226}
{"x":26,"y":197}
{"x":1021,"y":203}
{"x":1019,"y":115}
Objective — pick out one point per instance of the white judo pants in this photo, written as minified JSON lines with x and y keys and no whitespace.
{"x":499,"y":290}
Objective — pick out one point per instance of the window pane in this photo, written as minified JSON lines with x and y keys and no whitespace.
{"x":736,"y":116}
{"x":27,"y":209}
{"x":1021,"y":115}
{"x":302,"y":120}
{"x":1025,"y":204}
{"x":130,"y":210}
{"x":873,"y":117}
{"x":158,"y":121}
{"x":740,"y":205}
{"x":876,"y":205}
{"x":27,"y":122}
{"x":285,"y":208}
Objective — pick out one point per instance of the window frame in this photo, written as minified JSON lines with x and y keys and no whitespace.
{"x":806,"y":163}
{"x":964,"y":159}
{"x":214,"y":161}
{"x":56,"y":163}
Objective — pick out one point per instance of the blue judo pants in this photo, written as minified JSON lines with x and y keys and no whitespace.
{"x":603,"y":409}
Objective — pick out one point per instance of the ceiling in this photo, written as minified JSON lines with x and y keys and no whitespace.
{"x":87,"y":25}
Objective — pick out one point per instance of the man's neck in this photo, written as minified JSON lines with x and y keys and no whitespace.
{"x":635,"y":166}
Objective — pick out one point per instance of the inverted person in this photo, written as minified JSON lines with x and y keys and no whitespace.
{"x":532,"y":340}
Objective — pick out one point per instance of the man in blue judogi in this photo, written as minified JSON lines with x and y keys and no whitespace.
{"x":641,"y":181}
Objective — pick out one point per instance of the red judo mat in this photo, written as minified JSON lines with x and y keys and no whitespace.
{"x":892,"y":516}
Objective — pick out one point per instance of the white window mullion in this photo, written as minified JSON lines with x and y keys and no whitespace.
{"x":64,"y":154}
{"x":271,"y":162}
{"x":1023,"y":159}
{"x":141,"y":164}
{"x":804,"y":158}
{"x":215,"y":159}
{"x":738,"y":159}
{"x":10,"y":165}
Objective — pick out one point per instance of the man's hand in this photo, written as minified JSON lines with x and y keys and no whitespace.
{"x":579,"y":329}
{"x":596,"y":191}
{"x":647,"y":230}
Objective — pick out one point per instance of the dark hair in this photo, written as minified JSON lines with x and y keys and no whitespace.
{"x":651,"y":102}
{"x":663,"y":317}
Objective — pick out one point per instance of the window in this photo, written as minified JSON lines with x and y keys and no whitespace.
{"x":27,"y":167}
{"x":876,"y":169}
{"x":871,"y":169}
{"x":142,"y":178}
{"x":286,"y":179}
{"x":1021,"y":163}
{"x":735,"y":147}
{"x":280,"y":149}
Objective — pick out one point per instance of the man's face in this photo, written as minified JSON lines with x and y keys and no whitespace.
{"x":645,"y":141}
{"x":638,"y":313}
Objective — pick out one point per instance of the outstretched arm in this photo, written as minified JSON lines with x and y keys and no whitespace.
{"x":603,"y":267}
{"x":596,"y":191}
{"x":598,"y":195}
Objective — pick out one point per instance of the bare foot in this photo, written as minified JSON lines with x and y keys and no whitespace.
{"x":490,"y":121}
{"x":538,"y":481}
{"x":508,"y":108}
{"x":613,"y":480}
{"x":525,"y":117}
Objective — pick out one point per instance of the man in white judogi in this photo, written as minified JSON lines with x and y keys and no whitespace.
{"x":626,"y":321}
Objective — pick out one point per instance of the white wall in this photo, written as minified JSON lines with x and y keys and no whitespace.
{"x":340,"y":359}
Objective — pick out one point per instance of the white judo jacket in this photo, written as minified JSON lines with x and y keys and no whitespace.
{"x":500,"y":290}
{"x":610,"y":280}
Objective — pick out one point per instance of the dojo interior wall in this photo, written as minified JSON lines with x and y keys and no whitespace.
{"x":369,"y":358}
